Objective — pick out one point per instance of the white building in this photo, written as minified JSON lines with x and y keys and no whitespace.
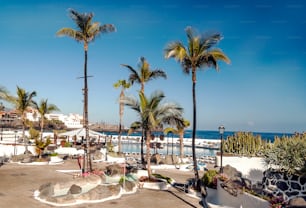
{"x":72,"y":121}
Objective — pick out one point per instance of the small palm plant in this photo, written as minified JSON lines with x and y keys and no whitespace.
{"x":152,"y":113}
{"x":22,"y":103}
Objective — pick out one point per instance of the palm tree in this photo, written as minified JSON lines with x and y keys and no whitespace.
{"x":142,"y":76}
{"x":124,"y":85}
{"x":179,"y":130}
{"x":44,"y":108}
{"x":3,"y":93}
{"x":86,"y":33}
{"x":144,"y":73}
{"x":22,"y":103}
{"x":199,"y":53}
{"x":180,"y":124}
{"x":152,"y":114}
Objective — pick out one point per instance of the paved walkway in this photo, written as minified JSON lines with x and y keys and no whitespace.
{"x":18,"y":183}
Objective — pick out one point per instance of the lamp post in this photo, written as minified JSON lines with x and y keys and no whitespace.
{"x":221,"y":131}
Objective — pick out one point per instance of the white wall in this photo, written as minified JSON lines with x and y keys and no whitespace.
{"x":243,"y":200}
{"x":250,"y":167}
{"x":8,"y":150}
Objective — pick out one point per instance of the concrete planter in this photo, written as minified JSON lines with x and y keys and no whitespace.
{"x":160,"y":185}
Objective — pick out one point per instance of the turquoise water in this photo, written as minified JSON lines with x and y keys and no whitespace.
{"x":135,"y":148}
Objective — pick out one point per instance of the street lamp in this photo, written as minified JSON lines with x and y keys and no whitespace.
{"x":221,"y":131}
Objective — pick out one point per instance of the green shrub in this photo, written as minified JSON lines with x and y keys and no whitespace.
{"x":209,"y":178}
{"x":288,"y":154}
{"x":169,"y":180}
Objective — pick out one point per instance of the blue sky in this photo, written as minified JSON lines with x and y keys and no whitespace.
{"x":263,"y":89}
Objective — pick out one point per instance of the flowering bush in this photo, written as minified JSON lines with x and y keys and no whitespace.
{"x":223,"y":177}
{"x":277,"y":202}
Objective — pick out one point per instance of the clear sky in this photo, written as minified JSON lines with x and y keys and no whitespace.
{"x":263,"y":89}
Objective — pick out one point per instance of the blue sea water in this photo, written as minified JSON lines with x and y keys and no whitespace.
{"x":204,"y":134}
{"x":207,"y":134}
{"x":200,"y":134}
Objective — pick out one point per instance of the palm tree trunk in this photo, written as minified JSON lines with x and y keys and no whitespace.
{"x":87,"y":151}
{"x":141,"y":146}
{"x":23,"y":135}
{"x":41,"y":135}
{"x":181,"y":134}
{"x":121,"y":109}
{"x":148,"y":135}
{"x":41,"y":129}
{"x":197,"y":184}
{"x":195,"y":165}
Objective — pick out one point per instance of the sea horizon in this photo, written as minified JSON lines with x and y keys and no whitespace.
{"x":210,"y":134}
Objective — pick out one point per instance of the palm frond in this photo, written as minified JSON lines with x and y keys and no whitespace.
{"x":106,"y":28}
{"x":81,"y":19}
{"x":158,"y":73}
{"x":175,"y":50}
{"x":209,"y":40}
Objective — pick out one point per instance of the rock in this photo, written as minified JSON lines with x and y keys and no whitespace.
{"x":230,"y":171}
{"x":235,"y":183}
{"x":27,"y":159}
{"x":171,"y":159}
{"x":128,"y":185}
{"x":46,"y":190}
{"x":156,"y":158}
{"x":297,"y":202}
{"x":101,"y":192}
{"x":114,"y":169}
{"x":64,"y":199}
{"x":75,"y":189}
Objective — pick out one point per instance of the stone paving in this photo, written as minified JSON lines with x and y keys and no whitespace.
{"x":19,"y":182}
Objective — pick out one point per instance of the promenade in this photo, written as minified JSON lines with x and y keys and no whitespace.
{"x":18,"y":183}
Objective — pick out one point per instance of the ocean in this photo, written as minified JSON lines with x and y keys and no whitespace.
{"x":200,"y":134}
{"x":206,"y":134}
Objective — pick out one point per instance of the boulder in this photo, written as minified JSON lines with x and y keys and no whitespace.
{"x":75,"y":189}
{"x":114,"y":170}
{"x":128,"y":185}
{"x":171,"y":159}
{"x":46,"y":190}
{"x":230,"y":171}
{"x":297,"y":202}
{"x":101,"y":192}
{"x":156,"y":158}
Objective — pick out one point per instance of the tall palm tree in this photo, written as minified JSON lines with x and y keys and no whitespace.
{"x":22,"y":103}
{"x":152,"y":114}
{"x":124,"y":85}
{"x":44,"y":108}
{"x":198,"y":54}
{"x":141,"y":76}
{"x":87,"y":32}
{"x":144,"y":73}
